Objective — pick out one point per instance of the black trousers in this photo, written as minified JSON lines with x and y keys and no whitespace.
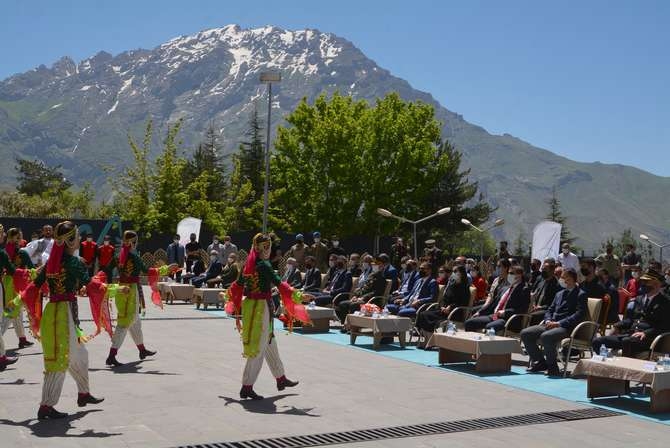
{"x":629,"y":346}
{"x":346,"y":307}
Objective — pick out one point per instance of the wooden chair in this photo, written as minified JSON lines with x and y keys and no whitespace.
{"x":582,"y":335}
{"x":380,"y":301}
{"x":517,"y":322}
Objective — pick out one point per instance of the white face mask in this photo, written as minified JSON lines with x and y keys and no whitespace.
{"x":511,"y":279}
{"x":317,"y":240}
{"x":366,"y":266}
{"x":331,"y":264}
{"x":106,"y":243}
{"x":336,"y":243}
{"x":566,"y":251}
{"x":215,"y":241}
{"x":375,"y":268}
{"x":175,"y":241}
{"x":562,"y":283}
{"x":455,"y":277}
{"x":635,"y":274}
{"x":89,"y":239}
{"x":290,"y":267}
{"x":212,"y":258}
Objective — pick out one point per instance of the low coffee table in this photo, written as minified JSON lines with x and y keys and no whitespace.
{"x":612,"y":378}
{"x":378,"y":328}
{"x":490,"y":354}
{"x":207,"y":296}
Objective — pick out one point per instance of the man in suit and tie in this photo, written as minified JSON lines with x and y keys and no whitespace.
{"x":566,"y":311}
{"x":409,"y":276}
{"x":176,"y":254}
{"x":213,"y":270}
{"x":341,"y":282}
{"x":544,"y":293}
{"x":292,"y":273}
{"x":312,"y":281}
{"x":634,"y":334}
{"x":374,"y":285}
{"x":514,"y":300}
{"x":424,"y":291}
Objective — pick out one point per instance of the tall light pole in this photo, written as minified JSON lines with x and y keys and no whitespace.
{"x":660,"y":246}
{"x":387,"y":214}
{"x":498,"y":222}
{"x":268,"y":78}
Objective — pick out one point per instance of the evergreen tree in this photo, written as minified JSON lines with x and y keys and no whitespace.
{"x":251,"y":155}
{"x":36,"y":178}
{"x":556,"y":215}
{"x":208,"y":159}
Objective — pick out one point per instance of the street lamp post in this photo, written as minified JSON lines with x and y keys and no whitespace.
{"x":387,"y":214}
{"x":498,"y":222}
{"x":660,"y":246}
{"x":268,"y":78}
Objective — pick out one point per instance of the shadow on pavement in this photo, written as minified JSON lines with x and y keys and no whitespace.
{"x":268,"y":406}
{"x":132,"y":367}
{"x":19,"y":382}
{"x":58,"y":428}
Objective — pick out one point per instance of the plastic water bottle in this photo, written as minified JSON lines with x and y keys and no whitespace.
{"x":603,"y":352}
{"x":311,"y":305}
{"x":385,"y":312}
{"x":451,"y":328}
{"x":491,"y":333}
{"x":666,"y":362}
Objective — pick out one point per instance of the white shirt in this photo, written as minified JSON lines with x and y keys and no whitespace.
{"x":570,"y":261}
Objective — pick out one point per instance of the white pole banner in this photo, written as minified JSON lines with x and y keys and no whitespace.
{"x":546,"y":240}
{"x":186,"y":227}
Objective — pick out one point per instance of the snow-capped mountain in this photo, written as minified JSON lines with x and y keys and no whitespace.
{"x":79,"y":116}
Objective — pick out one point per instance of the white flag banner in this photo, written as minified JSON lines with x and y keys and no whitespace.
{"x":546,"y":240}
{"x":186,"y":227}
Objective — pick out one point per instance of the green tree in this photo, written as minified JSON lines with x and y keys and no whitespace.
{"x":208,"y":159}
{"x":36,"y":178}
{"x":170,"y":198}
{"x":339,"y":160}
{"x":556,"y":215}
{"x":251,"y":155}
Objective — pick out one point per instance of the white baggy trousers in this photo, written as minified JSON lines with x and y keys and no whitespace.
{"x":78,"y":368}
{"x":267,"y":351}
{"x":135,"y":328}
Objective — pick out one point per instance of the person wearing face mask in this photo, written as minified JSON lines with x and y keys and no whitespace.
{"x":192,"y":248}
{"x":176,"y":254}
{"x":88,"y":249}
{"x":291,"y":276}
{"x":424,"y":291}
{"x":217,"y":246}
{"x":389,"y":272}
{"x":498,"y":287}
{"x":107,"y":258}
{"x":631,"y":261}
{"x":130,"y":303}
{"x":545,"y":291}
{"x":312,"y":281}
{"x":257,"y":311}
{"x":480,"y":284}
{"x":566,"y":311}
{"x":632,"y":284}
{"x":535,"y":274}
{"x":213,"y":270}
{"x":373,"y":285}
{"x":590,"y":282}
{"x":228,"y":275}
{"x":398,"y":252}
{"x":354,"y":265}
{"x":456,"y":294}
{"x":432,"y":253}
{"x":409,"y":276}
{"x":635,"y":334}
{"x":335,"y":247}
{"x":567,"y":259}
{"x":612,"y":263}
{"x":365,"y":269}
{"x":340,"y":281}
{"x":514,"y":300}
{"x":442,"y":276}
{"x":229,"y":247}
{"x":319,"y":251}
{"x":298,"y":250}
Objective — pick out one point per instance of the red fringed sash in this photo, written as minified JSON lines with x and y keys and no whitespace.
{"x":152,"y":277}
{"x":32,"y":300}
{"x":97,"y":295}
{"x":292,"y":310}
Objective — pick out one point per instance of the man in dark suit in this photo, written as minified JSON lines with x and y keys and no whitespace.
{"x":229,"y":273}
{"x":566,"y":310}
{"x":312,"y":281}
{"x":544,"y":293}
{"x":176,"y":254}
{"x":390,"y":273}
{"x":341,"y":282}
{"x":514,"y":300}
{"x":374,"y":285}
{"x":409,"y":276}
{"x":292,"y":273}
{"x":635,"y":335}
{"x":213,"y":270}
{"x":424,"y":291}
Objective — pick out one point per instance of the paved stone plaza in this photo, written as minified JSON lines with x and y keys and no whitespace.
{"x":188,"y":394}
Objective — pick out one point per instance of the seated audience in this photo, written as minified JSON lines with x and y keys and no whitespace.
{"x":424,"y":291}
{"x":635,"y":334}
{"x":374,"y":285}
{"x":213,"y":270}
{"x":312,"y":281}
{"x":611,"y":291}
{"x":566,"y":311}
{"x":341,"y":282}
{"x":545,"y":292}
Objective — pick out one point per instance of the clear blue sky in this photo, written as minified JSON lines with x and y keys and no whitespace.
{"x":589,"y":80}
